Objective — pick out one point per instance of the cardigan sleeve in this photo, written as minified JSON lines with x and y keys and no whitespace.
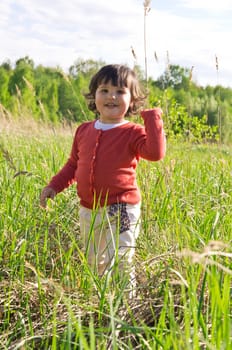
{"x":66,"y":176}
{"x":151,"y":143}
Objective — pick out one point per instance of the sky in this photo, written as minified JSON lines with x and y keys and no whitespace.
{"x":188,"y":33}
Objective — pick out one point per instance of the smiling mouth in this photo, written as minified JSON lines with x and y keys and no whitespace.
{"x":110,"y":105}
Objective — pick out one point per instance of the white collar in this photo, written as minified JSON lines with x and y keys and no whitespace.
{"x":103,"y":126}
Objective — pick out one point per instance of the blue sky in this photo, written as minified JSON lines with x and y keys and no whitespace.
{"x":184,"y":32}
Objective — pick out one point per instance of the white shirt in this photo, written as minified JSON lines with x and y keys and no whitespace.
{"x":105,"y":126}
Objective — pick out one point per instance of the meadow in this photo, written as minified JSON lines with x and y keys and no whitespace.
{"x":49,"y":298}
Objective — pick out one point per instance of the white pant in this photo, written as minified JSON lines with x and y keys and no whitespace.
{"x":109,"y":235}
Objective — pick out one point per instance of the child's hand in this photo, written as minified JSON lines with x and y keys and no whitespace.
{"x":47,"y":192}
{"x":155,"y":112}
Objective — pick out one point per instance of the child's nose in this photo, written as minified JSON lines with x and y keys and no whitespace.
{"x":113,"y":95}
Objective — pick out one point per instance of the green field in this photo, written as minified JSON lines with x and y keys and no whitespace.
{"x":49,"y":299}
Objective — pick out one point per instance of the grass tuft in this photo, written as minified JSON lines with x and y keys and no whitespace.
{"x":49,"y":299}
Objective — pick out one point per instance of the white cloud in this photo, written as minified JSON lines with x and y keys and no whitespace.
{"x":208,"y":5}
{"x":59,"y":33}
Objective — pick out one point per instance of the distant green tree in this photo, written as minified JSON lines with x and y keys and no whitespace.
{"x":50,"y":94}
{"x":4,"y":82}
{"x":47,"y":81}
{"x":26,"y":61}
{"x":70,"y":106}
{"x":6,"y":65}
{"x":181,"y":125}
{"x":86,"y":68}
{"x":175,"y":77}
{"x":21,"y":86}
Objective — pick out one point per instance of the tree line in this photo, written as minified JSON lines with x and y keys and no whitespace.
{"x":50,"y":94}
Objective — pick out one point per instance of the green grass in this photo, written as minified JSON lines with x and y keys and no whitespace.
{"x":49,"y":299}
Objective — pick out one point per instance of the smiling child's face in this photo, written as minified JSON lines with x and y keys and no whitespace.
{"x":112,"y":102}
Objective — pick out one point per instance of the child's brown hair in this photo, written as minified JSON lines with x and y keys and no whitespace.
{"x":118,"y":75}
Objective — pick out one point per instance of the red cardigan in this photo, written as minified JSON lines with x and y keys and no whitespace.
{"x":103,"y":163}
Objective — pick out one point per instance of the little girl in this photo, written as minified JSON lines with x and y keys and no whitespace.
{"x":103,"y":161}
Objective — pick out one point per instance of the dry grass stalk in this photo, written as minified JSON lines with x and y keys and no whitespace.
{"x":29,"y":85}
{"x":7,"y":156}
{"x":168,"y":64}
{"x":216,"y":61}
{"x":18,"y":91}
{"x":4,"y":113}
{"x":133,"y":53}
{"x":146,"y":5}
{"x":219,"y":93}
{"x":156,"y":57}
{"x":212,"y":250}
{"x":191,"y":74}
{"x":147,"y":9}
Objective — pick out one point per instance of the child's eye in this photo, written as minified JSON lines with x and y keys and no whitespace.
{"x":121,"y":91}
